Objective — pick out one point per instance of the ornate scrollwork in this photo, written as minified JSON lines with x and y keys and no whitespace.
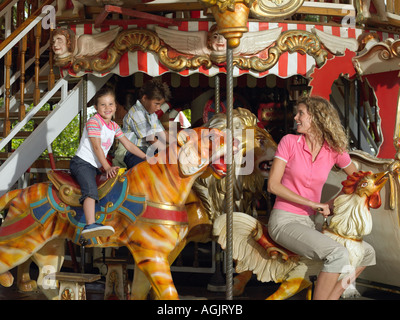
{"x":381,"y":56}
{"x":181,"y":62}
{"x":304,"y":42}
{"x":289,"y":41}
{"x":275,"y":9}
{"x":67,"y":294}
{"x":224,"y":5}
{"x":128,"y":40}
{"x":146,"y":40}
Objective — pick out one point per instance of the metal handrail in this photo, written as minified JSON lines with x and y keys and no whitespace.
{"x":61,"y":84}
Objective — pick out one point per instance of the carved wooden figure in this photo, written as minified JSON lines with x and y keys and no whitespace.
{"x":206,"y":201}
{"x":351,"y":220}
{"x":145,"y":206}
{"x":68,"y":48}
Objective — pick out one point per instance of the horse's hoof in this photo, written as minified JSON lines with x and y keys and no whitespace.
{"x":6,"y":279}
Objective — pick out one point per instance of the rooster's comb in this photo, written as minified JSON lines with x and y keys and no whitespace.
{"x":350,"y":184}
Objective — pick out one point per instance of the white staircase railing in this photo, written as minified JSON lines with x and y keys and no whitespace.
{"x":65,"y":111}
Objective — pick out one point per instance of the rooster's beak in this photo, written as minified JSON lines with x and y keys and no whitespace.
{"x":374,"y":198}
{"x":380,"y":180}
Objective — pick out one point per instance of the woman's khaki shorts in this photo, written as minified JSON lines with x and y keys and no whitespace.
{"x":298,"y":234}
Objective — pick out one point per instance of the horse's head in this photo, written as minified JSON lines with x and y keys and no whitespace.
{"x":366,"y":183}
{"x":200,"y":148}
{"x":255,"y":144}
{"x":264,"y":151}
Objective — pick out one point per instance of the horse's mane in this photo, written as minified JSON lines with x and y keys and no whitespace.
{"x":211,"y":191}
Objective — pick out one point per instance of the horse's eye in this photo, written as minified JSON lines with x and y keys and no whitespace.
{"x":364,"y":184}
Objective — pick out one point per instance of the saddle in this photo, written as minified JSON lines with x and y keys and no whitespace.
{"x":69,"y":191}
{"x":273,"y":249}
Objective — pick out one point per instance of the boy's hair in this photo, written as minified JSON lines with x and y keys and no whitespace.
{"x":103,"y":92}
{"x":155,"y":89}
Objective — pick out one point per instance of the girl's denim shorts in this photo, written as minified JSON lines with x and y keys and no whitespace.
{"x":85,"y":174}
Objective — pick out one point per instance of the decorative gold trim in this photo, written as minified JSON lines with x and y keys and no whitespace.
{"x":382,"y":56}
{"x":291,"y":41}
{"x":128,"y":40}
{"x":274,"y":9}
{"x":161,"y":221}
{"x":224,"y":5}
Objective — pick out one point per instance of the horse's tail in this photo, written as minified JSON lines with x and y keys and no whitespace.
{"x":8,"y":197}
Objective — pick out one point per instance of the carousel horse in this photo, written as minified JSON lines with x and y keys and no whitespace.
{"x":351,"y":220}
{"x":145,"y":206}
{"x":206,"y":200}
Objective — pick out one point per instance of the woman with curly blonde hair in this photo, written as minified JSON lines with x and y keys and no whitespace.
{"x":326,"y":123}
{"x":299,"y":171}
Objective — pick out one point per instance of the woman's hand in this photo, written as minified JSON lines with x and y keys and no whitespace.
{"x":323,"y":208}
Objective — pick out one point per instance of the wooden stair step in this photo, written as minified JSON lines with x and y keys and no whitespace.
{"x":46,"y":78}
{"x":14,"y":115}
{"x":5,"y":155}
{"x":19,"y":135}
{"x":28,"y":97}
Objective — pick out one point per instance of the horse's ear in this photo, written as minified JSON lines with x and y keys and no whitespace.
{"x":183,"y":137}
{"x":189,"y":158}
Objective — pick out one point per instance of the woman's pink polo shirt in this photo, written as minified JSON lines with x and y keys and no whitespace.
{"x":303,"y":176}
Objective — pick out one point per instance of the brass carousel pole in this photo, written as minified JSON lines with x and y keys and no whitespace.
{"x":217,"y":281}
{"x":217,"y":100}
{"x":230,"y":173}
{"x":231,"y":17}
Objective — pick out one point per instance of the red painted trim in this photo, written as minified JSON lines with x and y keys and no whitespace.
{"x":162,"y":214}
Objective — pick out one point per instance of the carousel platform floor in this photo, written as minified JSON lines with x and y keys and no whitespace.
{"x":193,"y":286}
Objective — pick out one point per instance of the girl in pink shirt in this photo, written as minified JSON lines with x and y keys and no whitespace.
{"x":300,"y":169}
{"x":97,"y":139}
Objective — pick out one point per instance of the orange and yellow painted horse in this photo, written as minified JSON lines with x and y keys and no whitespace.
{"x":145,"y":206}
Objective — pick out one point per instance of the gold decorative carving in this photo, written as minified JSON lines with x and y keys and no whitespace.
{"x":181,"y":62}
{"x":224,"y":5}
{"x":380,"y":57}
{"x":67,"y":294}
{"x":232,"y":23}
{"x":290,"y":41}
{"x":274,"y":9}
{"x":128,"y":40}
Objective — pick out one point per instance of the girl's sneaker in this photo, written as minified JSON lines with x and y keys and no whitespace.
{"x":97,"y":230}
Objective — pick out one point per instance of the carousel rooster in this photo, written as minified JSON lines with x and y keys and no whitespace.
{"x":255,"y":251}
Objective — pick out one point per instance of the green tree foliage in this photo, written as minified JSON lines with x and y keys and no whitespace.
{"x":64,"y":146}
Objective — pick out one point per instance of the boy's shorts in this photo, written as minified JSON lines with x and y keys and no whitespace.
{"x":85,"y":174}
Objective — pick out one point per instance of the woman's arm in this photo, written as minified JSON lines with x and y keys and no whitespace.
{"x":276,"y":187}
{"x":350,"y":169}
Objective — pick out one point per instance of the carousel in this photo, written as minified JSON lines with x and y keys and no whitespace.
{"x":237,"y":68}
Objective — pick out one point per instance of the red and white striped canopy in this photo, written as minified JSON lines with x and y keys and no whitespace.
{"x":289,"y":64}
